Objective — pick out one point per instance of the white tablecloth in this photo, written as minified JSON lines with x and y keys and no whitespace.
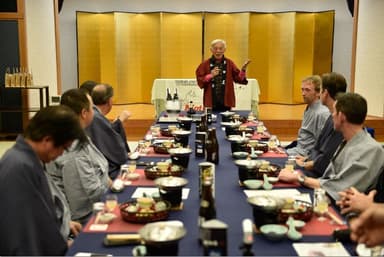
{"x":247,"y":96}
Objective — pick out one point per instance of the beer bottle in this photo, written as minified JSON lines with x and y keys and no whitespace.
{"x":191,"y":110}
{"x":212,"y":147}
{"x":207,"y":210}
{"x":176,"y":96}
{"x":208,"y":112}
{"x":203,"y":127}
{"x":169,"y":96}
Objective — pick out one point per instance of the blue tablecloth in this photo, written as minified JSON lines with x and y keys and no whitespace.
{"x":231,"y":207}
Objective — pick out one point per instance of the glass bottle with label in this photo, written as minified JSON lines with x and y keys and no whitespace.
{"x":175,"y":95}
{"x":212,"y":147}
{"x":203,"y":126}
{"x":207,"y":210}
{"x":191,"y":110}
{"x":169,"y":96}
{"x":208,"y":112}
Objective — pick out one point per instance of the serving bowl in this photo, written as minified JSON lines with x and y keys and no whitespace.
{"x":299,"y":210}
{"x":166,"y":132}
{"x":255,"y":169}
{"x":239,"y":130}
{"x":140,"y":211}
{"x":157,"y":171}
{"x":162,"y":147}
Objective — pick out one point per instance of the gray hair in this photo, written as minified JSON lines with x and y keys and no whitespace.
{"x":214,"y":42}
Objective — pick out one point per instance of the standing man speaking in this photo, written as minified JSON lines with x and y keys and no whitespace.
{"x":216,"y":76}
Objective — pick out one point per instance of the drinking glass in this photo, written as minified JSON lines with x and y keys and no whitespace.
{"x":131,"y":166}
{"x":321,"y":203}
{"x":260,"y":127}
{"x":124,"y":168}
{"x":290,"y":165}
{"x":110,"y":202}
{"x":272,"y":142}
{"x":155,"y":130}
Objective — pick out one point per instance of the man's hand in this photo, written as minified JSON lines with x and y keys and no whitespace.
{"x":124,"y":115}
{"x":245,"y":65}
{"x":215,"y":71}
{"x":75,"y":227}
{"x":288,"y":176}
{"x":351,"y":200}
{"x":368,"y":227}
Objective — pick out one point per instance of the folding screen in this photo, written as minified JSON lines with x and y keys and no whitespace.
{"x":130,"y":50}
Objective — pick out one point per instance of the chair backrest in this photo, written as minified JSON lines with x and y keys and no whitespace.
{"x":371,"y":131}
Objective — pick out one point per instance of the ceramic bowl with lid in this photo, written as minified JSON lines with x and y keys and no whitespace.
{"x":184,"y":122}
{"x":265,"y":210}
{"x":181,"y":137}
{"x":180,"y":156}
{"x":162,"y":238}
{"x":226,"y":116}
{"x":170,"y":189}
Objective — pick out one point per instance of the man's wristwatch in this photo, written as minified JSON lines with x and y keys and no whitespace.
{"x":301,"y":179}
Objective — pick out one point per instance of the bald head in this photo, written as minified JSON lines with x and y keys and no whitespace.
{"x":101,"y":94}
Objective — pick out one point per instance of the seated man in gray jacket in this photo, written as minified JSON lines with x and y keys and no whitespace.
{"x":358,"y":160}
{"x":314,"y":117}
{"x":82,"y":171}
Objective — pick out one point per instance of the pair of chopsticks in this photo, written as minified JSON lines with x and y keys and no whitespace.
{"x":334,"y":218}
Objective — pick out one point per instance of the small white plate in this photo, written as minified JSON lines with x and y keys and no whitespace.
{"x":253,"y":183}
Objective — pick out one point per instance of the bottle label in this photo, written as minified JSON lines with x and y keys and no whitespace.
{"x":204,"y":204}
{"x":200,"y":221}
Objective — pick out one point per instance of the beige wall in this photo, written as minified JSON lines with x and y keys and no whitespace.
{"x":369,"y":78}
{"x":343,"y":22}
{"x":369,"y":56}
{"x":41,"y":45}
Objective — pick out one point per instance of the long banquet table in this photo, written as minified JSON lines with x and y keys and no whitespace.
{"x":231,"y":207}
